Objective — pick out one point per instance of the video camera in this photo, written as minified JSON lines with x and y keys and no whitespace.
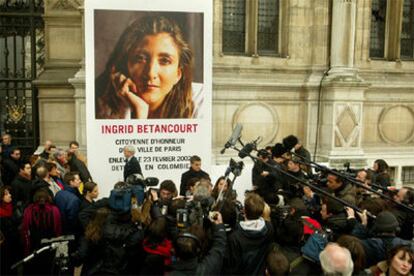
{"x":120,"y":198}
{"x":195,"y":212}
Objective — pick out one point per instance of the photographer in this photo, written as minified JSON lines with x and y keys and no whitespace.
{"x":260,"y":166}
{"x":335,"y":217}
{"x":291,"y":187}
{"x":162,"y":198}
{"x":341,"y":189}
{"x":119,"y":237}
{"x":248,"y":244}
{"x":188,"y":248}
{"x":271,"y":180}
{"x":406,"y":219}
{"x":383,"y":235}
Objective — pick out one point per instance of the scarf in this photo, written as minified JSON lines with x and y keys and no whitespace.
{"x":6,"y":209}
{"x":163,"y":249}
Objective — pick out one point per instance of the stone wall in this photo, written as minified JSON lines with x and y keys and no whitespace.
{"x":322,"y":78}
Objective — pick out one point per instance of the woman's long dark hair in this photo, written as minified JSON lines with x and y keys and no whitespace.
{"x":382,"y":166}
{"x":178,"y":103}
{"x":93,"y":231}
{"x":404,"y":248}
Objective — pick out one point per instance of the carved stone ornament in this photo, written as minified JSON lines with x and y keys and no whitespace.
{"x":66,"y":5}
{"x":264,"y":122}
{"x":396,"y":124}
{"x":16,"y":113}
{"x":347,"y":126}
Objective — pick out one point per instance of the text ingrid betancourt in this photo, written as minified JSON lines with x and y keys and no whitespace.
{"x":149,"y":128}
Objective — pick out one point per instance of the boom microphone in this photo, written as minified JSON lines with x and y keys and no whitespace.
{"x":248,"y":148}
{"x":233,"y":138}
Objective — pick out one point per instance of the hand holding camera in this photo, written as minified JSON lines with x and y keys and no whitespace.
{"x":154,"y":194}
{"x":215,"y":217}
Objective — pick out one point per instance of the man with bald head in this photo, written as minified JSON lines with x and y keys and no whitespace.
{"x":336,"y":260}
{"x":46,"y":150}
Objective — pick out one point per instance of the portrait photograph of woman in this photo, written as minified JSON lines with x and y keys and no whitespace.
{"x":148,"y":65}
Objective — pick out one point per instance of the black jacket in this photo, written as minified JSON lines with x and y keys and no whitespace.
{"x":406,"y":221}
{"x":185,"y":177}
{"x":77,"y":165}
{"x":10,"y":170}
{"x":267,"y":186}
{"x":117,"y":252}
{"x":211,"y":264}
{"x":132,"y":167}
{"x":21,"y":190}
{"x":247,"y":251}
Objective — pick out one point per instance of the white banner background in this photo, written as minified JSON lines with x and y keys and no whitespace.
{"x":158,"y":157}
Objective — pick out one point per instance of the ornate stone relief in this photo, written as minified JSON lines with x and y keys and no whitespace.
{"x":396,"y":124}
{"x":258,"y":119}
{"x":67,"y":5}
{"x":347,"y":125}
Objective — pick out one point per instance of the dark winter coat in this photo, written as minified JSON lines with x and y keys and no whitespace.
{"x":68,"y":203}
{"x":247,"y":250}
{"x":185,"y":177}
{"x":77,"y":165}
{"x":10,"y":170}
{"x":132,"y":167}
{"x":21,"y":190}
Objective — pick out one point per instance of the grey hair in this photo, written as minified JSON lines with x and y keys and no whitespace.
{"x":201,"y":189}
{"x":130,"y":149}
{"x":58,"y":153}
{"x":336,"y":261}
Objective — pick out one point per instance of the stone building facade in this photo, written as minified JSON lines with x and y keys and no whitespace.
{"x":337,"y":77}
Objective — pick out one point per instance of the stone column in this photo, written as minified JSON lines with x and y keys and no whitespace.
{"x":343,"y":94}
{"x":63,"y":37}
{"x":343,"y":37}
{"x":78,"y":83}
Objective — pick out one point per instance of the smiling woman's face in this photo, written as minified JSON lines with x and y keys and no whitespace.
{"x":154,"y":68}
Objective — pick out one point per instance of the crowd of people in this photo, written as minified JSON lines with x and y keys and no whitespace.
{"x":283,"y":227}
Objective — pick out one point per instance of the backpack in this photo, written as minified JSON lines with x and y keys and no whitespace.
{"x":315,"y":243}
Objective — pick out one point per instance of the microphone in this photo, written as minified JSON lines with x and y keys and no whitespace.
{"x":248,"y":148}
{"x":233,"y":138}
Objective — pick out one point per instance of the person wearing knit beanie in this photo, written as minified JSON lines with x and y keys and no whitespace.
{"x":385,"y":222}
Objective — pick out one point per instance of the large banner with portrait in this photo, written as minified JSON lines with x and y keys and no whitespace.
{"x":148,"y":85}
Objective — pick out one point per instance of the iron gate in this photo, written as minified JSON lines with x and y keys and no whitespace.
{"x":21,"y":59}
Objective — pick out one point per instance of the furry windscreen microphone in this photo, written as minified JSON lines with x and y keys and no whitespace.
{"x":290,"y":141}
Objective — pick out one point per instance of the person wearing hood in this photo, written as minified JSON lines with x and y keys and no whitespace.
{"x":248,"y":244}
